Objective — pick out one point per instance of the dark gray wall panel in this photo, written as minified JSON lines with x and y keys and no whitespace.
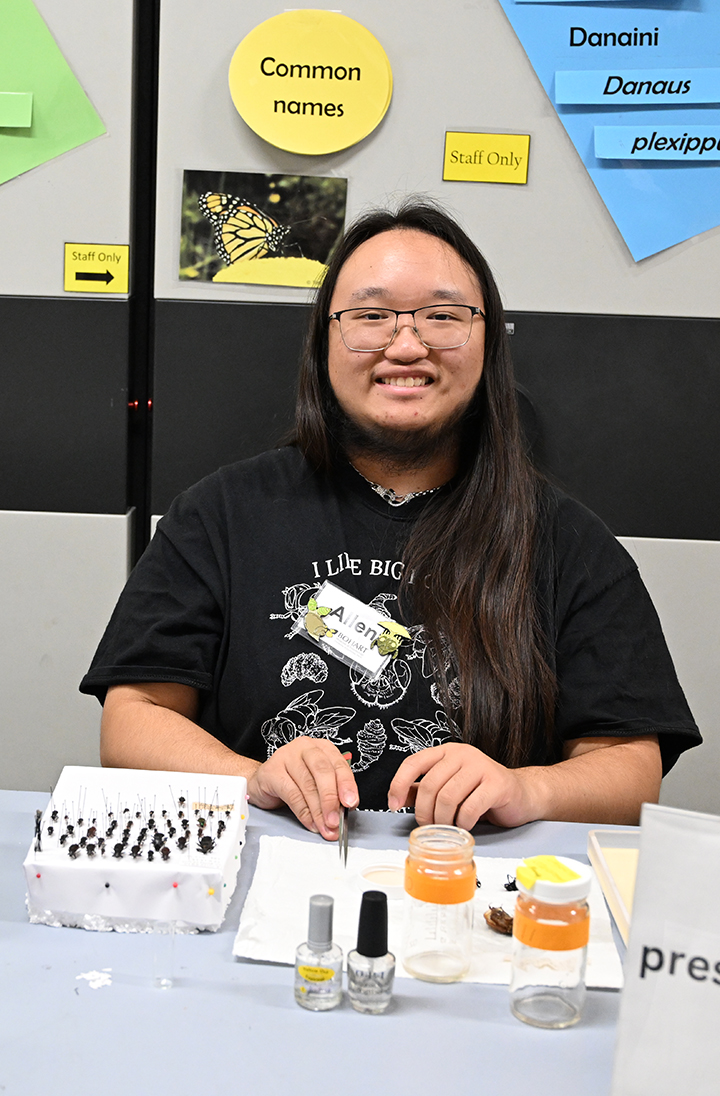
{"x":63,"y":413}
{"x":628,"y":411}
{"x":622,"y":411}
{"x":224,"y":387}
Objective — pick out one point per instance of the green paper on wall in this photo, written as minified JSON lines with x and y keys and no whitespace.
{"x":62,"y":115}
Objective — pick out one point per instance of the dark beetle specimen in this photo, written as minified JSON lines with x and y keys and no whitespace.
{"x":73,"y":851}
{"x":498,"y":920}
{"x":511,"y":884}
{"x":206,"y":844}
{"x":118,"y":851}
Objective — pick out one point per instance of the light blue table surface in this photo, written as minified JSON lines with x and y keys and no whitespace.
{"x":231,"y":1026}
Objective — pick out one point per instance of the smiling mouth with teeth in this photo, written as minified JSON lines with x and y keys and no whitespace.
{"x":406,"y":382}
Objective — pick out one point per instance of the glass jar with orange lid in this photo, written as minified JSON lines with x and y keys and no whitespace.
{"x":551,"y":929}
{"x":440,"y":883}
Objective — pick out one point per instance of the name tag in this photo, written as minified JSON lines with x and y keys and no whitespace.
{"x":351,"y":631}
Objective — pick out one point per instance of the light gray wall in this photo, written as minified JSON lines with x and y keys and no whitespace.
{"x":60,"y":575}
{"x":683,"y":577}
{"x":459,"y":66}
{"x":83,"y":195}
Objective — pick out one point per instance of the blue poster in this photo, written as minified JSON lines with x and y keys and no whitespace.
{"x":617,"y":73}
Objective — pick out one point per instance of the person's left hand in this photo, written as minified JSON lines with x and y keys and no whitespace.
{"x":460,"y":785}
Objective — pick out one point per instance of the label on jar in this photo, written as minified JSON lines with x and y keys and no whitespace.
{"x":316,"y":974}
{"x":441,"y":885}
{"x":549,"y":935}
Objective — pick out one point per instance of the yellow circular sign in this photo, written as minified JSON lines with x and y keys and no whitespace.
{"x":311,"y":81}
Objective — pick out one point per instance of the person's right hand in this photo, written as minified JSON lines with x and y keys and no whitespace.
{"x":312,"y":777}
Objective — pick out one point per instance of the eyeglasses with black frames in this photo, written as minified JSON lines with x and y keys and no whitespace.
{"x":437,"y":326}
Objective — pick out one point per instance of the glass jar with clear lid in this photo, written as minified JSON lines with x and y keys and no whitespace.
{"x":440,"y":883}
{"x":551,"y":929}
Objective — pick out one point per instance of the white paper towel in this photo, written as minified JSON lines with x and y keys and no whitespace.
{"x":275,"y":916}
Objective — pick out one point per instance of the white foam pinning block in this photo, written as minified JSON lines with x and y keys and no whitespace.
{"x":104,"y":855}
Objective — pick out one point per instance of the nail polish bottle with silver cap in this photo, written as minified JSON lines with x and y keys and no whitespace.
{"x":318,"y":963}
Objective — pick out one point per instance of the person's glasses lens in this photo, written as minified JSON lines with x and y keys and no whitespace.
{"x":445,"y":326}
{"x":367,"y":328}
{"x":438,"y":326}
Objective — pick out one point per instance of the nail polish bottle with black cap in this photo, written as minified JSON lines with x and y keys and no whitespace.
{"x":371,"y":967}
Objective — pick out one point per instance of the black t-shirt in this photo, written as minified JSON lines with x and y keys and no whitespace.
{"x":231,"y":567}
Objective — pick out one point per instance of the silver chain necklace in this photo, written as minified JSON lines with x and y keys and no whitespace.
{"x":389,"y":495}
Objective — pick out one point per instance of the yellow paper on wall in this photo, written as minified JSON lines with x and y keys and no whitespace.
{"x":311,"y":81}
{"x":486,"y":157}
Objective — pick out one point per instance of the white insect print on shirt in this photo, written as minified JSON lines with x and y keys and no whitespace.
{"x":419,"y":648}
{"x":305,"y":666}
{"x":296,"y":599}
{"x":304,"y":716}
{"x":387,"y":689}
{"x":371,"y":742}
{"x":453,"y":693}
{"x":421,"y":734}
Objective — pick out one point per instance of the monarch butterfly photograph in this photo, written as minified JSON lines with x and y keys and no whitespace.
{"x":241,"y":230}
{"x":259,"y":228}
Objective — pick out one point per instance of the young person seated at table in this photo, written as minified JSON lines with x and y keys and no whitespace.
{"x":534,"y":682}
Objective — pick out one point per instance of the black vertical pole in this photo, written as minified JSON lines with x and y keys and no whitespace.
{"x":142,"y":259}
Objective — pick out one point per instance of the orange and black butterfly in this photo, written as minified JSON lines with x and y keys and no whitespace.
{"x":241,"y":230}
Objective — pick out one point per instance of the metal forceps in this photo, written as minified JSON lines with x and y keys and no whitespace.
{"x":343,"y":835}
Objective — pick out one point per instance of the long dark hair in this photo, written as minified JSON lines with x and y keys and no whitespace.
{"x":471,"y":560}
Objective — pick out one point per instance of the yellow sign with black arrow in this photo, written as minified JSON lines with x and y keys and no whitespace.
{"x":97,"y":268}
